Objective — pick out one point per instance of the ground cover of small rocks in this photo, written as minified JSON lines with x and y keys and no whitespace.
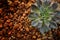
{"x":15,"y":25}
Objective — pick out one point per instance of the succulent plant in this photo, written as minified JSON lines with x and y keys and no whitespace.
{"x":42,"y":14}
{"x":57,"y":17}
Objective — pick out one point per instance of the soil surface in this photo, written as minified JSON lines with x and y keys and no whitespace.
{"x":15,"y":25}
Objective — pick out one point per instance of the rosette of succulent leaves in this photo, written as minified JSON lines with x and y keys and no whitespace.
{"x":43,"y":16}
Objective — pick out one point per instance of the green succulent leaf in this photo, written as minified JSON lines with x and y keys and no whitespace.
{"x":53,"y":25}
{"x":44,"y":29}
{"x":39,"y":24}
{"x":57,"y":17}
{"x":58,"y":14}
{"x":34,"y":23}
{"x":33,"y":16}
{"x":54,"y":6}
{"x":46,"y":4}
{"x":35,"y":9}
{"x":39,"y":3}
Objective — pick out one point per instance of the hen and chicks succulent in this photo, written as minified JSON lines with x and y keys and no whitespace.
{"x":43,"y":15}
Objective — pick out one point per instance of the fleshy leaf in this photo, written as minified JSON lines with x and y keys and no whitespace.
{"x":34,"y":23}
{"x":58,"y":15}
{"x":39,"y":3}
{"x":47,"y":28}
{"x":39,"y":24}
{"x":47,"y":23}
{"x":57,"y":20}
{"x":46,"y":3}
{"x":46,"y":0}
{"x":35,"y":9}
{"x":44,"y":29}
{"x":54,"y":5}
{"x":33,"y":16}
{"x":53,"y":25}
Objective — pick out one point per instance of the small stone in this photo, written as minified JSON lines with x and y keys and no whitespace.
{"x":24,"y":14}
{"x":24,"y":37}
{"x":18,"y":35}
{"x":13,"y":37}
{"x":10,"y":24}
{"x":27,"y":29}
{"x":21,"y":29}
{"x":9,"y":32}
{"x":28,"y":4}
{"x":10,"y":16}
{"x":22,"y":3}
{"x":6,"y":17}
{"x":8,"y":21}
{"x":16,"y":26}
{"x":0,"y":25}
{"x":10,"y":2}
{"x":3,"y":38}
{"x":39,"y":39}
{"x":34,"y":37}
{"x":0,"y":10}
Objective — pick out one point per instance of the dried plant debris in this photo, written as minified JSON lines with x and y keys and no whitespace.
{"x":43,"y":14}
